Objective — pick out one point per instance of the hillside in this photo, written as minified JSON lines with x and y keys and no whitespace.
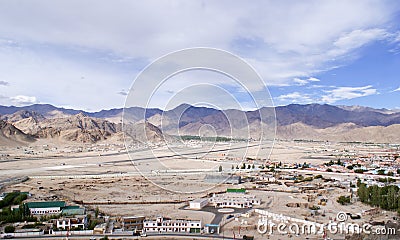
{"x":311,"y":121}
{"x":12,"y":136}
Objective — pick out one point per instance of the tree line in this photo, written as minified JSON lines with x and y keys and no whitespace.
{"x":386,"y":197}
{"x":18,"y":214}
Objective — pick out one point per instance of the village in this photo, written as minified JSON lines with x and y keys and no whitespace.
{"x":118,"y":204}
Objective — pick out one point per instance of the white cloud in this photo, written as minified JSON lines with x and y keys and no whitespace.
{"x":356,"y":39}
{"x":342,"y":93}
{"x":302,"y":82}
{"x":396,"y":90}
{"x":295,"y":97}
{"x":23,"y":100}
{"x":60,"y":81}
{"x":309,"y":38}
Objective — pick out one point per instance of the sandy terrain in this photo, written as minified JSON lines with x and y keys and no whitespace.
{"x":107,"y":177}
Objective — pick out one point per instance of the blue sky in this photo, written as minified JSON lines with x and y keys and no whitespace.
{"x":86,"y":55}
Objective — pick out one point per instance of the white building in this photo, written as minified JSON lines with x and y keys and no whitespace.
{"x":198,"y":203}
{"x":71,"y":223}
{"x":169,"y":225}
{"x":267,"y":178}
{"x":234,"y":200}
{"x":43,"y":208}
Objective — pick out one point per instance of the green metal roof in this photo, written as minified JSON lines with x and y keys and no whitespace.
{"x":236,"y":190}
{"x":71,"y":207}
{"x":51,"y":204}
{"x":73,"y":210}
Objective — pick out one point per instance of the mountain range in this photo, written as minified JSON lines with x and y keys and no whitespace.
{"x":311,"y":122}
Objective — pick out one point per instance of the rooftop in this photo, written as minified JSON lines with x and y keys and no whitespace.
{"x":199,"y":200}
{"x":51,"y":204}
{"x":236,"y":190}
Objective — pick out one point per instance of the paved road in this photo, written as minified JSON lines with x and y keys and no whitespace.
{"x":124,"y":236}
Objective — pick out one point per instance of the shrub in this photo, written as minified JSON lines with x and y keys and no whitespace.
{"x":344,"y":200}
{"x":9,"y":229}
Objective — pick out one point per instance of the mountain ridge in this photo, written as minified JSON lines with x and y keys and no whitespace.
{"x":289,"y":114}
{"x":294,"y":121}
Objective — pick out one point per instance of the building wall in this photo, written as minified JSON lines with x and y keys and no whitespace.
{"x":161,"y":225}
{"x":198,"y":203}
{"x":234,"y":200}
{"x":71,"y":223}
{"x":132,"y":223}
{"x":43,"y":211}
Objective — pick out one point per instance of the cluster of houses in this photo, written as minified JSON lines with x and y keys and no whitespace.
{"x":74,"y":217}
{"x":71,"y":217}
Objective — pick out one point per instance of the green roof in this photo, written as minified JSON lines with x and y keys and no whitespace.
{"x":59,"y":204}
{"x":73,"y":210}
{"x":236,"y":190}
{"x":71,"y":207}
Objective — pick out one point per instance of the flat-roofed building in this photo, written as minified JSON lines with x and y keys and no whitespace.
{"x":43,"y":208}
{"x":100,"y":229}
{"x":234,"y":200}
{"x":172,"y":225}
{"x":198,"y":203}
{"x":212,"y":228}
{"x":78,"y":222}
{"x":132,"y":223}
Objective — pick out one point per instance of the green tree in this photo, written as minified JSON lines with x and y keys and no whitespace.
{"x":96,"y":212}
{"x":375,"y":194}
{"x":381,"y":172}
{"x":392,"y":198}
{"x":358,"y":182}
{"x":350,"y":167}
{"x":362,"y":192}
{"x":9,"y":229}
{"x":344,"y":200}
{"x":220,"y":168}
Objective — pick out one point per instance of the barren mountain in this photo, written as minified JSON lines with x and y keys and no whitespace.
{"x":144,"y":132}
{"x":311,"y":121}
{"x":22,"y":114}
{"x":342,"y":133}
{"x":84,"y":129}
{"x":79,"y":128}
{"x":12,"y":136}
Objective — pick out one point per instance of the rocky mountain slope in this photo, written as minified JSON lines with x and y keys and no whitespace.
{"x":12,"y":136}
{"x":78,"y":128}
{"x":312,"y":121}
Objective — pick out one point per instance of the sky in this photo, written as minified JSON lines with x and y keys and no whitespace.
{"x":87,"y":54}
